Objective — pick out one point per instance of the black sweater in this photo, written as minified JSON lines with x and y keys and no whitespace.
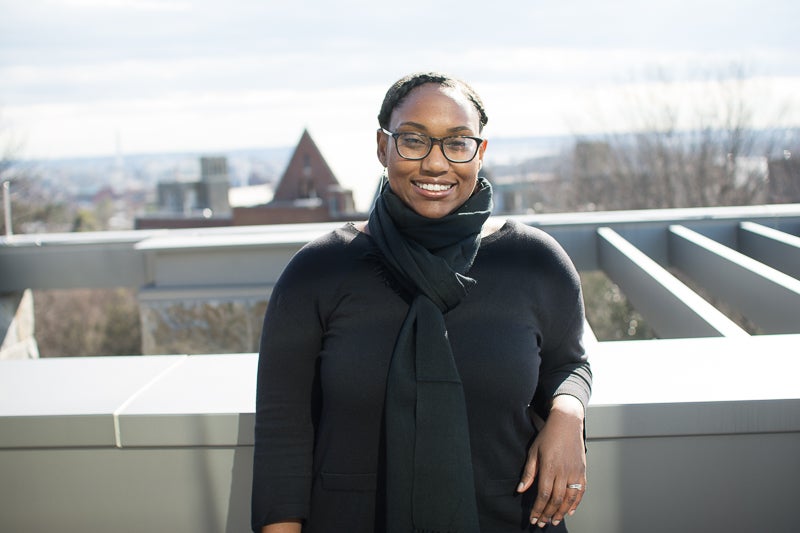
{"x":328,"y":336}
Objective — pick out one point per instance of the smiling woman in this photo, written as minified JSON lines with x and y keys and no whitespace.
{"x":402,"y":358}
{"x":423,"y":176}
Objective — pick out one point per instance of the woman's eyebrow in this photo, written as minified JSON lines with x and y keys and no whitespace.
{"x":413,"y":125}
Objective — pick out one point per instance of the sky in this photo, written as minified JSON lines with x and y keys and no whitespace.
{"x":93,"y":77}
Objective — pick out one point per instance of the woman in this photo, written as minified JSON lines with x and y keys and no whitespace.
{"x":403,"y":359}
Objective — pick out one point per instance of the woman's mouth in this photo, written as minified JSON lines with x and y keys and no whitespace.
{"x":434,"y":187}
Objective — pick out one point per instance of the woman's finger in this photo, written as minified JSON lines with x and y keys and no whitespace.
{"x":529,"y":472}
{"x":544,"y":493}
{"x":578,"y":497}
{"x":555,"y":499}
{"x":572,"y":498}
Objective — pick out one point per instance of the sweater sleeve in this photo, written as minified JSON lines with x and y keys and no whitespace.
{"x":285,"y":396}
{"x":565,"y":367}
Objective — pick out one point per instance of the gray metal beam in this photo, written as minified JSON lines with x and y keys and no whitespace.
{"x":670,"y":307}
{"x":71,"y":266}
{"x":768,"y":297}
{"x":778,"y":249}
{"x":233,"y":260}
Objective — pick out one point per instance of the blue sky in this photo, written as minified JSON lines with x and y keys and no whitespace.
{"x":205,"y":75}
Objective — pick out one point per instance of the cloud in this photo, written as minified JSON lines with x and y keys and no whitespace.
{"x":139,"y":5}
{"x":201,"y":74}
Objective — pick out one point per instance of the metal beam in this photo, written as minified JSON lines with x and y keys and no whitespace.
{"x":71,"y":264}
{"x":671,"y":308}
{"x":768,"y":297}
{"x":778,"y":249}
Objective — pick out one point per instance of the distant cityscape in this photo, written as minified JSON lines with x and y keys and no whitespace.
{"x":130,"y":182}
{"x":294,"y":184}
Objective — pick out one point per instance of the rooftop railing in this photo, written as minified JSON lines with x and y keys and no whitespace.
{"x":696,"y":430}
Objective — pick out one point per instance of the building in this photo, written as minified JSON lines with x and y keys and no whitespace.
{"x":192,"y":204}
{"x":307,"y":192}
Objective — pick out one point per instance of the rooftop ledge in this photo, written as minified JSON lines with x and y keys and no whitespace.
{"x":642,"y":388}
{"x":679,"y":428}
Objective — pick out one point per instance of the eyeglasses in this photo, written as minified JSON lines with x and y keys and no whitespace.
{"x":416,"y":146}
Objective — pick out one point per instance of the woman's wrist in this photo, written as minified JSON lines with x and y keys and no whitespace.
{"x":290,"y":526}
{"x":567,"y":406}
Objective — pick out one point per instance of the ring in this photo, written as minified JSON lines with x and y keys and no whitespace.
{"x":576,"y":486}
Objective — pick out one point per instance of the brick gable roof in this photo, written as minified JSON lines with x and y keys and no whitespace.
{"x":307,"y":175}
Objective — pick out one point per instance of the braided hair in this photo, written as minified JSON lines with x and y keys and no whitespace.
{"x":400,"y":89}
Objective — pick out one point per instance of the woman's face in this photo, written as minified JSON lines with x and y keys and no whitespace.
{"x":433,"y":187}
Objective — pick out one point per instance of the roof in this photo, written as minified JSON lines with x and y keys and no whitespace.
{"x":307,"y":175}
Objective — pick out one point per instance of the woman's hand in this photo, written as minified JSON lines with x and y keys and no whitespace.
{"x":558,"y":457}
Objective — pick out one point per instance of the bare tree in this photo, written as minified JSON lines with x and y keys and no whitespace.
{"x":700,"y":150}
{"x":31,"y":204}
{"x":87,"y":322}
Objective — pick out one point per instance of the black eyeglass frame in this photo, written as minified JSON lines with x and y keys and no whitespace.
{"x":434,"y":140}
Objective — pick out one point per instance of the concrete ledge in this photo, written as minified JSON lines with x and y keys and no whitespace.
{"x":700,"y":371}
{"x":203,"y":401}
{"x":642,"y":388}
{"x":62,"y":402}
{"x":164,"y":443}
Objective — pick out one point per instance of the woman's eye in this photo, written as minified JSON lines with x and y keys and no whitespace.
{"x":458,"y":144}
{"x":413,"y":140}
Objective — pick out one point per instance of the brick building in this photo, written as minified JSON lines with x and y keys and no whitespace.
{"x":307,"y":192}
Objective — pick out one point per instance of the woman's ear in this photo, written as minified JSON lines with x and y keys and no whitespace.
{"x":383,"y":143}
{"x":481,"y":152}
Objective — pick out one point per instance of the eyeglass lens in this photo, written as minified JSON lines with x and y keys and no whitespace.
{"x":417,"y":146}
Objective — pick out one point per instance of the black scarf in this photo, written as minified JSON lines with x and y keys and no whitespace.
{"x":429,"y":480}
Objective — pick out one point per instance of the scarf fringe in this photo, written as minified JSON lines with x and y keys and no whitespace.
{"x":381,"y":269}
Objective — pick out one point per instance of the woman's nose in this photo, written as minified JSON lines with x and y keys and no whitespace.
{"x":436,"y":161}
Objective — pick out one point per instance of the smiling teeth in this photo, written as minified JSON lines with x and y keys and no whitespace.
{"x":435,"y":187}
